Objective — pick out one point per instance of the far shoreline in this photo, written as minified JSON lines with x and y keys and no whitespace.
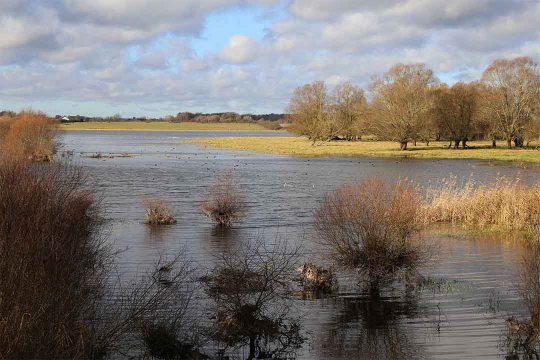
{"x":161,"y":126}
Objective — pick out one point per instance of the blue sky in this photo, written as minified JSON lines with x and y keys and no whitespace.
{"x":158,"y":57}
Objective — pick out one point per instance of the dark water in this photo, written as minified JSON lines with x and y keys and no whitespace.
{"x":465,"y":322}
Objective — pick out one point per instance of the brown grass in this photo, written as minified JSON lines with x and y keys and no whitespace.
{"x":372,"y":227}
{"x":158,"y":212}
{"x":224,"y":203}
{"x":504,"y":204}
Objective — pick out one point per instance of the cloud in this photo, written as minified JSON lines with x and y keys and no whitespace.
{"x":143,"y":53}
{"x":240,"y":50}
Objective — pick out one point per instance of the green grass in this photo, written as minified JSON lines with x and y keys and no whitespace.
{"x":161,"y":126}
{"x":301,"y":147}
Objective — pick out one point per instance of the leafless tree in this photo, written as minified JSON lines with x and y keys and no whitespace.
{"x":401,"y":102}
{"x":349,"y":104}
{"x":455,"y":110}
{"x":308,"y":109}
{"x":511,"y":97}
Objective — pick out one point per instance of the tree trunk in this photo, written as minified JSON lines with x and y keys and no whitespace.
{"x":414,"y":142}
{"x":456,"y":144}
{"x":464,"y":142}
{"x":518,"y":141}
{"x":494,"y":143}
{"x":403,"y":145}
{"x":251,"y":348}
{"x":427,"y":142}
{"x":509,"y":143}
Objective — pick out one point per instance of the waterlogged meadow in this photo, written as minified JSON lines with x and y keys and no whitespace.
{"x":456,"y":308}
{"x":173,"y":250}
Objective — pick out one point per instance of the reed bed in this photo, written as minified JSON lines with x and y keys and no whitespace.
{"x":504,"y":204}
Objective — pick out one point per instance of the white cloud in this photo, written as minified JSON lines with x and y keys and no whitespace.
{"x":121,"y":53}
{"x":240,"y":50}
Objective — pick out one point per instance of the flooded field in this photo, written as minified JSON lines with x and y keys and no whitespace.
{"x":460,"y":317}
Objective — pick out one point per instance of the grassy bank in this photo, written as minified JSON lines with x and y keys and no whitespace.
{"x":162,"y":126}
{"x":301,"y":147}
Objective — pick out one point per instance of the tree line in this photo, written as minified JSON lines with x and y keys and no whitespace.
{"x":408,"y":103}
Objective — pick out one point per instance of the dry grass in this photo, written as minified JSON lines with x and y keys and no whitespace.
{"x":504,"y":204}
{"x":373,"y":228}
{"x":224,"y":203}
{"x":158,"y":212}
{"x":301,"y":147}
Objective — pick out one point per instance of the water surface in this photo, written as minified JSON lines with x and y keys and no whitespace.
{"x":282,"y":193}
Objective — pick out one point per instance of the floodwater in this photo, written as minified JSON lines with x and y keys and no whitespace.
{"x":462,"y":321}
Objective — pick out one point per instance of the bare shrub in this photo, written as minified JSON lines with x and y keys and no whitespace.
{"x":33,"y":134}
{"x":52,"y":261}
{"x":372,"y":227}
{"x":224,"y":203}
{"x":523,"y":335}
{"x":59,"y":296}
{"x":505,"y":204}
{"x":251,"y":290}
{"x":158,"y":212}
{"x":155,"y":310}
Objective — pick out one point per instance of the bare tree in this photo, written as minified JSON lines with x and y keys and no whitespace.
{"x":511,"y":96}
{"x":308,"y":108}
{"x":350,"y":105}
{"x":401,"y":102}
{"x":251,"y":288}
{"x":455,"y":109}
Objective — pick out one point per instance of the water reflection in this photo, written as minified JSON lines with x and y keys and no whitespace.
{"x":369,"y":326}
{"x":156,"y":233}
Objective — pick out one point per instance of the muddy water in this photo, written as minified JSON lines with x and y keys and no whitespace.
{"x":460,"y":320}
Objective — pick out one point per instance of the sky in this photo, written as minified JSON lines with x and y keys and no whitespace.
{"x":159,"y":57}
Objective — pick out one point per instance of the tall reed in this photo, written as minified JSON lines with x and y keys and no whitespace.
{"x":504,"y":203}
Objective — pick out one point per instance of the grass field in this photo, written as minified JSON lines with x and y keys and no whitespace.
{"x":161,"y":126}
{"x":301,"y":147}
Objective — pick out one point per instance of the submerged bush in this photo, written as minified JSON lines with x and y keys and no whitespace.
{"x":373,"y":228}
{"x":224,"y":203}
{"x":158,"y":212}
{"x":317,"y":278}
{"x":505,"y":204}
{"x":162,"y":341}
{"x":252,"y":293}
{"x":523,"y":335}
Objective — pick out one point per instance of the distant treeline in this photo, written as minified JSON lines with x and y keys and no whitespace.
{"x":224,"y":117}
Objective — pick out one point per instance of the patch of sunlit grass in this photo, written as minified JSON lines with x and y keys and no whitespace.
{"x":301,"y":147}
